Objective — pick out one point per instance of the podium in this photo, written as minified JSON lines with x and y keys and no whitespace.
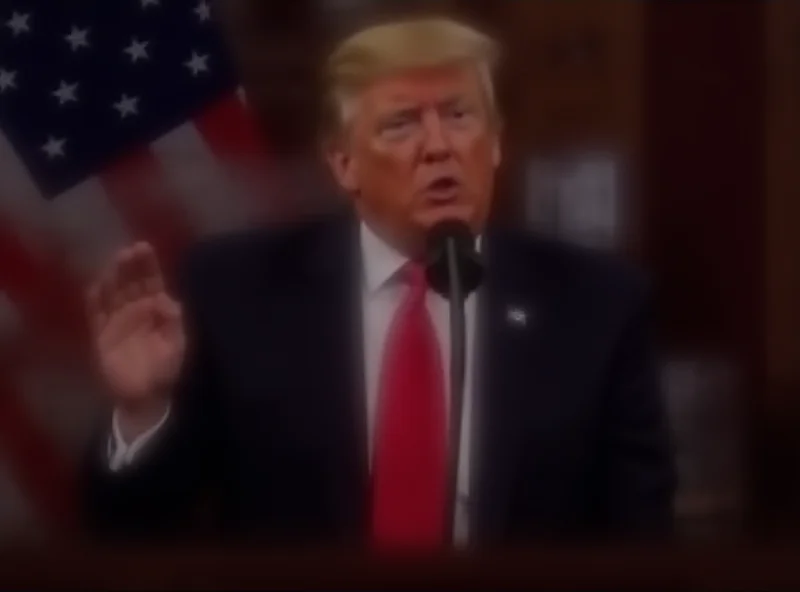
{"x":602,"y":568}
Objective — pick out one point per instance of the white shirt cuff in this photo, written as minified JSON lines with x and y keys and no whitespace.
{"x":120,"y":453}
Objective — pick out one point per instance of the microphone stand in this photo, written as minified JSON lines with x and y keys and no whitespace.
{"x":457,"y":366}
{"x":454,"y":271}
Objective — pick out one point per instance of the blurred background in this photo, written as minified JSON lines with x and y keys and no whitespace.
{"x":666,"y":131}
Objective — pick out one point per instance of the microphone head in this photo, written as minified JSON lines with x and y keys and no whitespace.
{"x":454,"y":234}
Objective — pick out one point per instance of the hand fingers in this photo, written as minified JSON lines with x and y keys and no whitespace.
{"x":131,"y":268}
{"x":152,"y":278}
{"x":100,"y":295}
{"x":170,"y":324}
{"x":95,"y":308}
{"x":142,"y":272}
{"x":129,"y":318}
{"x":118,"y":278}
{"x":167,"y":309}
{"x":133,"y":277}
{"x":160,"y":313}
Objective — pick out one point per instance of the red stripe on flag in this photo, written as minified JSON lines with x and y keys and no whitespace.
{"x":137,"y":187}
{"x":32,"y":459}
{"x":231,"y":130}
{"x":47,"y":302}
{"x":232,"y":134}
{"x":48,"y":298}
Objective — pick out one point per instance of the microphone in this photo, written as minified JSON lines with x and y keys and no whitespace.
{"x":454,"y":270}
{"x":453,"y":266}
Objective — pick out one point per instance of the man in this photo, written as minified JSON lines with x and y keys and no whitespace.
{"x":294,"y":388}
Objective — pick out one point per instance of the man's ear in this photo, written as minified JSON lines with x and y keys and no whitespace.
{"x":497,"y":152}
{"x":343,"y":166}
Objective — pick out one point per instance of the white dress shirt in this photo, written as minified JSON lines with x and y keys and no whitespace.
{"x":120,"y":453}
{"x":380,"y":300}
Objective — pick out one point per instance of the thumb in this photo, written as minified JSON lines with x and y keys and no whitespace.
{"x":168,"y":308}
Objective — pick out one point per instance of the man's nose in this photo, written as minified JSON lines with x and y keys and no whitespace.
{"x":436,"y":143}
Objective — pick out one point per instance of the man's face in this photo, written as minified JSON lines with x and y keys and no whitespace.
{"x":422,"y":146}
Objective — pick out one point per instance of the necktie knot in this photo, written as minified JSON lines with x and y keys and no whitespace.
{"x":413,"y":275}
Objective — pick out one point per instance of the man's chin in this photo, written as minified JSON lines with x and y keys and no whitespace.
{"x":434,"y":214}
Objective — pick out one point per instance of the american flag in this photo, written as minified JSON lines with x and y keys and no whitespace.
{"x":119,"y":119}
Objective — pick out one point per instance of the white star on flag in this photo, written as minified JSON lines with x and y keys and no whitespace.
{"x":19,"y":23}
{"x":137,"y":50}
{"x":66,"y":92}
{"x":77,"y":38}
{"x":127,"y":106}
{"x":54,"y":147}
{"x":8,"y":80}
{"x":203,"y":11}
{"x":197,"y":64}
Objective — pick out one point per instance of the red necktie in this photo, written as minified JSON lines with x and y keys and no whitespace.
{"x":410,"y":460}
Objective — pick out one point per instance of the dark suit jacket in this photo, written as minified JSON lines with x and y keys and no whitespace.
{"x":268,"y":439}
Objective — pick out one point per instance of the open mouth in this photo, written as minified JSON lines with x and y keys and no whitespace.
{"x":443,"y":188}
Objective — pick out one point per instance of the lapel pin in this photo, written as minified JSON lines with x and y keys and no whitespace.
{"x":517,"y":316}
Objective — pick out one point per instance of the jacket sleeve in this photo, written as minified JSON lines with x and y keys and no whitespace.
{"x":639,"y":468}
{"x":160,"y":493}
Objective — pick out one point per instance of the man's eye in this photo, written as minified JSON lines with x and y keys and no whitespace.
{"x":397,"y":128}
{"x":395,"y":124}
{"x":458,"y":112}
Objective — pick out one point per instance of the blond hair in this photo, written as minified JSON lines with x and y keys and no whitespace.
{"x":401,"y":45}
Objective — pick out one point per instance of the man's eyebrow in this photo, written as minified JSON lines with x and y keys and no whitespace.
{"x":401,"y":112}
{"x":453,"y":101}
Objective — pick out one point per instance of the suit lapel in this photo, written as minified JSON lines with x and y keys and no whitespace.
{"x":336,"y":360}
{"x":512,"y":354}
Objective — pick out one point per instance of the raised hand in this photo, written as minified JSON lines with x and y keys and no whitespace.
{"x":137,"y":328}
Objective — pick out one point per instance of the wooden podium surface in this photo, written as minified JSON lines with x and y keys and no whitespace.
{"x":695,"y":568}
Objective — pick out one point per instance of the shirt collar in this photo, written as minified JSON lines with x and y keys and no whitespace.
{"x":380,"y":260}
